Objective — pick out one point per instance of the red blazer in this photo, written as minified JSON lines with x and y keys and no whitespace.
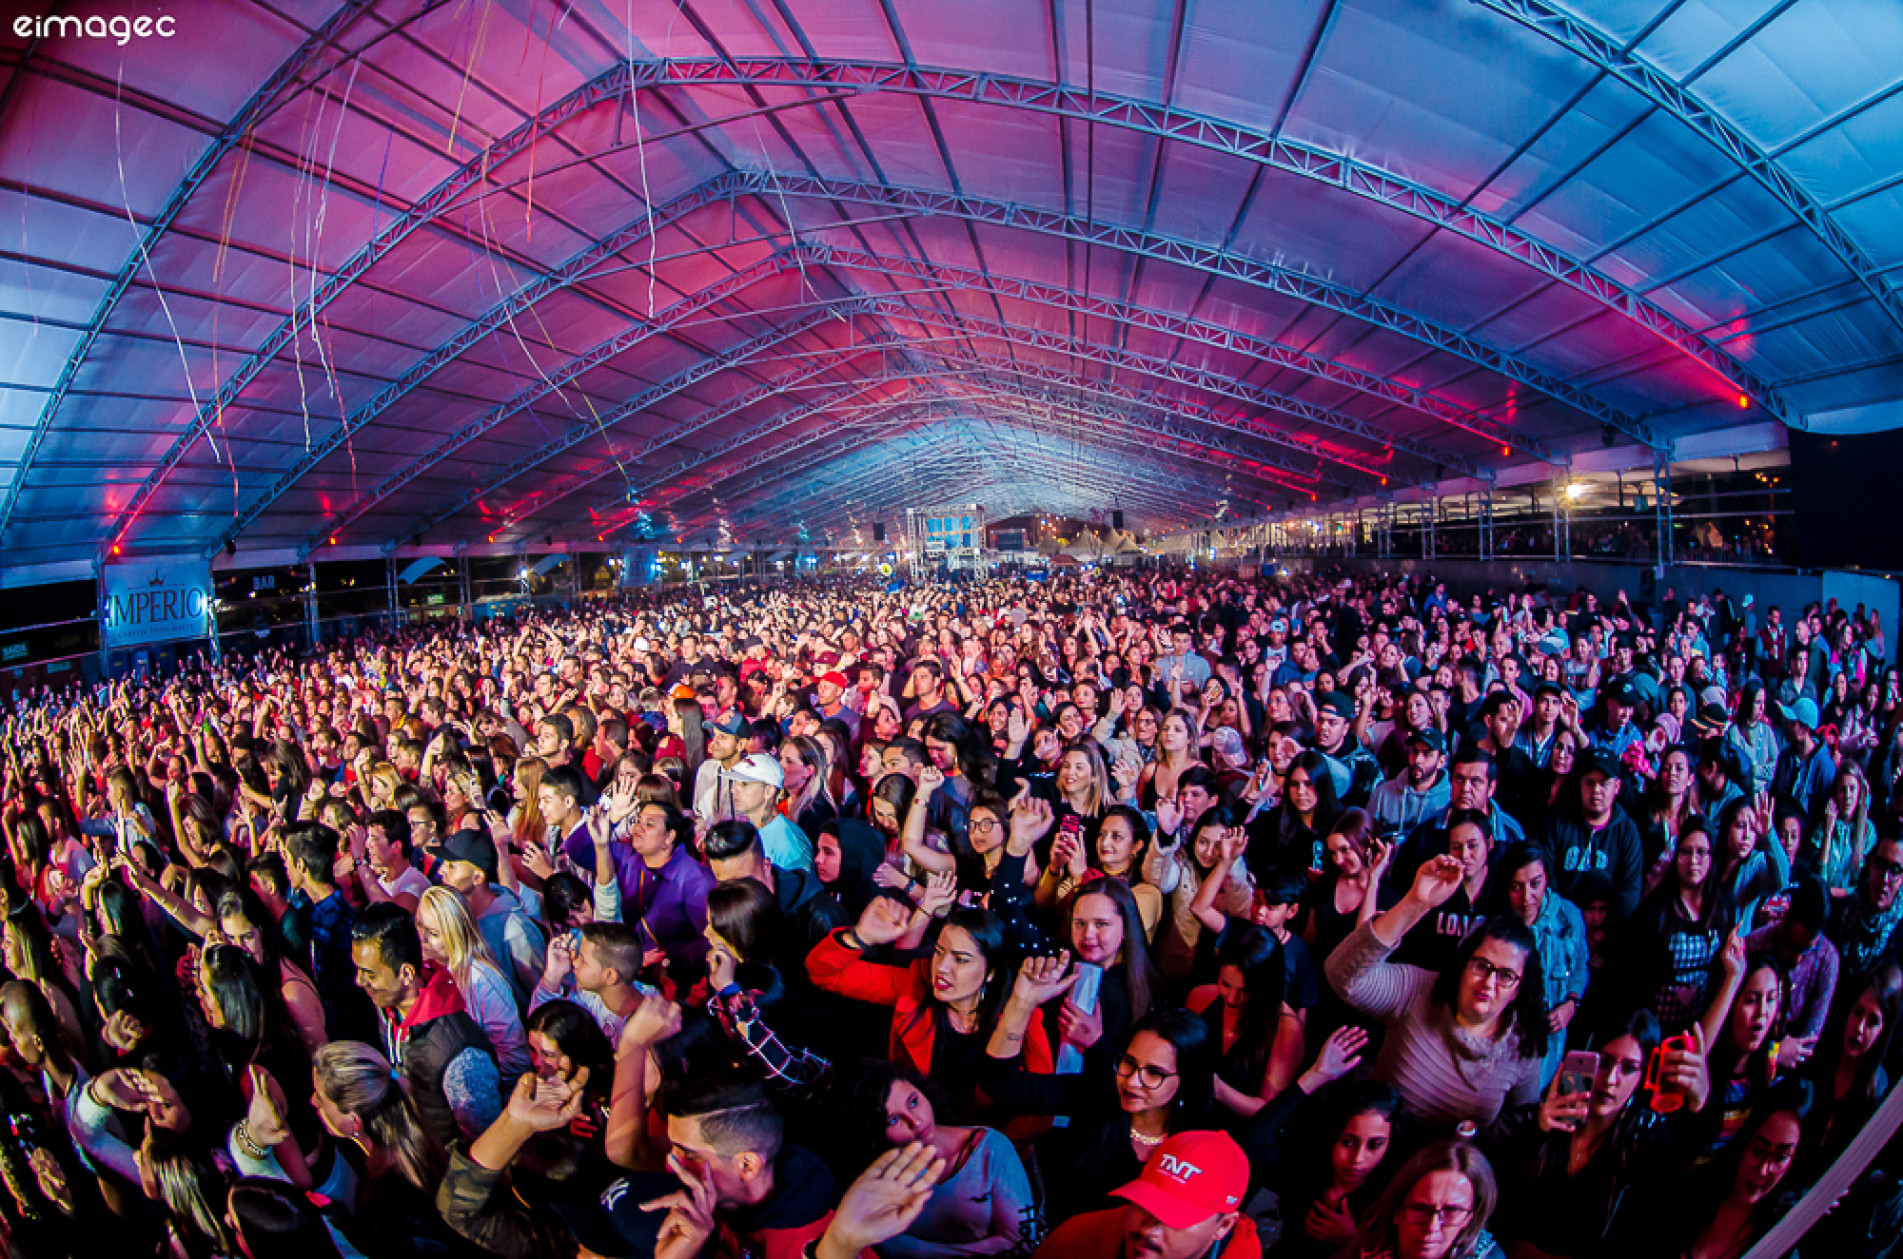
{"x":908,"y":990}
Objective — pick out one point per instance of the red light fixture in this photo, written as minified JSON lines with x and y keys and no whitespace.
{"x":1743,"y":402}
{"x":115,"y":548}
{"x":1506,"y":452}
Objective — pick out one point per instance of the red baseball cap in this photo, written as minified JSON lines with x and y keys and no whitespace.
{"x":1189,"y":1178}
{"x":837,"y":678}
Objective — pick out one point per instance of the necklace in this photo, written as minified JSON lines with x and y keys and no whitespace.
{"x":1142,"y":1140}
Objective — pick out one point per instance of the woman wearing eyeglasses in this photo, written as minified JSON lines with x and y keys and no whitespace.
{"x":1467,"y":1042}
{"x":1164,"y":1083}
{"x":1437,"y":1207}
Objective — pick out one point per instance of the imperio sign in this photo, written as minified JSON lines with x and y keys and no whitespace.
{"x":156,"y":601}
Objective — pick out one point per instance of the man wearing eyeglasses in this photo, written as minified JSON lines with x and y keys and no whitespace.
{"x":1863,"y":926}
{"x":1186,"y":1205}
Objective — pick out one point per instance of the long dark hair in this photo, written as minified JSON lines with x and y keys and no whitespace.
{"x":693,"y":738}
{"x":1791,"y":1095}
{"x":862,"y":1094}
{"x":1327,"y":806}
{"x":987,"y":931}
{"x":1257,"y":957}
{"x":1198,"y":1053}
{"x":1885,"y":983}
{"x":973,"y":752}
{"x":576,"y":1034}
{"x":1553,"y":1155}
{"x":1142,"y":980}
{"x":256,"y":1027}
{"x":1716,"y":908}
{"x":1723,"y":1057}
{"x":1528,"y":1011}
{"x":746,"y":915}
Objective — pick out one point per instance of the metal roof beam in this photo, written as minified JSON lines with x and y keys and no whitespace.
{"x":604,"y":87}
{"x":960,"y":480}
{"x":1206,"y":333}
{"x":956,"y":409}
{"x":1068,"y":464}
{"x":503,"y":314}
{"x":234,"y":133}
{"x":1281,"y":153}
{"x":1215,"y":260}
{"x":979,"y":363}
{"x":1610,"y":55}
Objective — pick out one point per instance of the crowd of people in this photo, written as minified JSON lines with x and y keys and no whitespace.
{"x":1159,"y":916}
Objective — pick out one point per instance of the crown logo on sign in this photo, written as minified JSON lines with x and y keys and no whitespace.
{"x":157,"y":580}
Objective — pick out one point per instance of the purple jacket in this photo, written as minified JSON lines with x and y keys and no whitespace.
{"x":667,"y":907}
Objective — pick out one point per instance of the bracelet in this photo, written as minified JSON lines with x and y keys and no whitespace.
{"x":250,"y":1147}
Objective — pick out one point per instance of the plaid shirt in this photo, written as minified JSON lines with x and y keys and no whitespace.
{"x":790,"y":1069}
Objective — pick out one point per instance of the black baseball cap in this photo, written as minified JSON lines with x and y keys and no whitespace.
{"x":1339,"y":704}
{"x":1598,"y":760}
{"x":1431,"y":737}
{"x":474,"y":847}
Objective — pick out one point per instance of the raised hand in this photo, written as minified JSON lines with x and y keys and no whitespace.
{"x":652,"y":1022}
{"x":1340,"y":1054}
{"x":1563,"y":1112}
{"x":1169,"y":815}
{"x":720,"y":968}
{"x":930,"y":779}
{"x":1436,"y":881}
{"x":264,"y":1119}
{"x":1042,"y":979}
{"x":559,"y":962}
{"x":885,"y":1201}
{"x":883,"y":921}
{"x":546,"y":1105}
{"x":941,"y":893}
{"x":1732,"y":959}
{"x":1031,"y":820}
{"x":1383,"y":860}
{"x":690,"y":1213}
{"x":535,"y":860}
{"x":620,"y":803}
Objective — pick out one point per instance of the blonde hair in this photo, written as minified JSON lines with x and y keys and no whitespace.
{"x":529,"y":823}
{"x":1097,"y":792}
{"x":389,"y":775}
{"x":462,"y":940}
{"x":359,"y":1081}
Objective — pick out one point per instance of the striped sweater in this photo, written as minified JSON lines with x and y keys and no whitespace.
{"x":1441,"y":1072}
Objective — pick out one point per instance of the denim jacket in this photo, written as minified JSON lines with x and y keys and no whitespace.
{"x":1561,"y":933}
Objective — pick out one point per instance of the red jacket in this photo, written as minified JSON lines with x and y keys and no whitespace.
{"x":908,"y":990}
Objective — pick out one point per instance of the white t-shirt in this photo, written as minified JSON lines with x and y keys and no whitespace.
{"x":411,"y":881}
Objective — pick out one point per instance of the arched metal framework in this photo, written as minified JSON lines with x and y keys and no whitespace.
{"x":772,"y":269}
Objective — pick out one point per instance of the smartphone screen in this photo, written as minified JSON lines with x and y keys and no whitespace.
{"x":1578,"y":1072}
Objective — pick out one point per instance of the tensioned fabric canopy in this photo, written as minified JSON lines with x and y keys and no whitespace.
{"x":378,"y":275}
